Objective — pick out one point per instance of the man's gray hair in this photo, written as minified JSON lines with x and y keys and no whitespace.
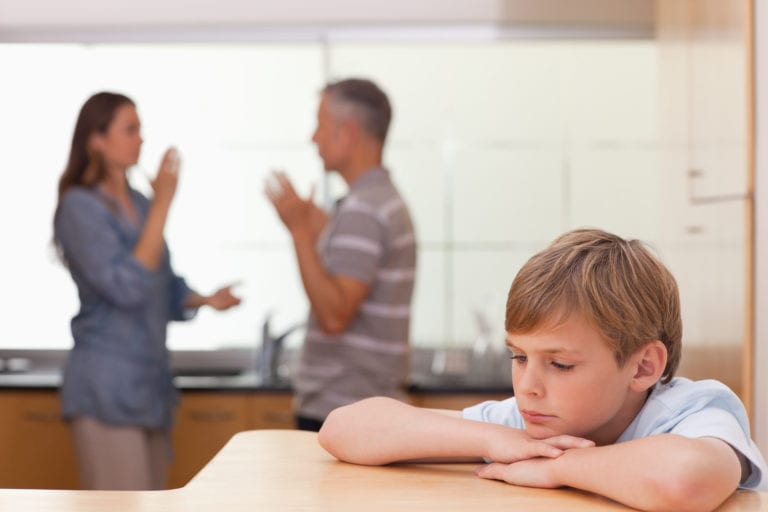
{"x":362,"y":100}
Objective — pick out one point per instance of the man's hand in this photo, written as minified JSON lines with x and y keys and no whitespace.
{"x":318,"y":217}
{"x":299,"y":215}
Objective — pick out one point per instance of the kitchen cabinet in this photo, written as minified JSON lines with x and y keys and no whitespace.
{"x":718,"y":68}
{"x":36,"y":451}
{"x":704,"y":100}
{"x":455,"y":400}
{"x":35,"y":446}
{"x":270,"y":410}
{"x":206,"y":420}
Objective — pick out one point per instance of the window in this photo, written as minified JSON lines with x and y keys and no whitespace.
{"x":498,"y":146}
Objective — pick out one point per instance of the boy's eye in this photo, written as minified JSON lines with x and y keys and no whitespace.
{"x":522,"y":359}
{"x":518,"y":357}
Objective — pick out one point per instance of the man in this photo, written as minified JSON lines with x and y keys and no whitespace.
{"x":357,"y":267}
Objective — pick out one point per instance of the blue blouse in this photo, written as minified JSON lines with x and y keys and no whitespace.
{"x":119,"y":369}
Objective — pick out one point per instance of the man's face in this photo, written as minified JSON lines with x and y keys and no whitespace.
{"x":567,"y":381}
{"x":331,"y":137}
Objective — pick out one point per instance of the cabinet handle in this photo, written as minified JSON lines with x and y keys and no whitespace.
{"x":211,"y":416}
{"x":695,"y":199}
{"x":278,"y":417}
{"x":42,"y":416}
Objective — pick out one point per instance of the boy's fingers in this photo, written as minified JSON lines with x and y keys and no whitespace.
{"x":566,"y":442}
{"x":543,"y":449}
{"x":493,"y":471}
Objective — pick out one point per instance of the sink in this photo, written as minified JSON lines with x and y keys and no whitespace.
{"x":212,"y":363}
{"x":455,"y":368}
{"x":226,"y":367}
{"x":209,"y":372}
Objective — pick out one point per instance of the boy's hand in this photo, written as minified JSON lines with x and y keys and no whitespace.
{"x":529,"y":473}
{"x":537,"y":468}
{"x":512,"y":445}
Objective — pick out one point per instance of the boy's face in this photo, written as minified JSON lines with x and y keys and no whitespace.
{"x":567,"y":381}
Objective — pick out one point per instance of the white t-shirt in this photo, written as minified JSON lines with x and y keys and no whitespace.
{"x":705,"y":408}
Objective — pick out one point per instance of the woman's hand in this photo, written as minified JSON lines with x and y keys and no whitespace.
{"x":164,"y":184}
{"x":222,"y":299}
{"x":149,"y":249}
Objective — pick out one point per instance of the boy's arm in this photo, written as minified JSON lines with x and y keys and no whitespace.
{"x":663,"y":472}
{"x":382,"y":430}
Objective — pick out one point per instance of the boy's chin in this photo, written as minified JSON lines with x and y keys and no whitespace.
{"x":541,"y":432}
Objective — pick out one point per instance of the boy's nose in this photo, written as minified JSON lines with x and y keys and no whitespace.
{"x":527,"y":382}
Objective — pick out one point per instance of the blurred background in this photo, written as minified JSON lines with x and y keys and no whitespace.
{"x":514,"y":121}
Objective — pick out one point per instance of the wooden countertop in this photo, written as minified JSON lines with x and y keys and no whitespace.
{"x":286,"y":470}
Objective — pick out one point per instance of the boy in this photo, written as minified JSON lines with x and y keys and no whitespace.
{"x":594,"y":330}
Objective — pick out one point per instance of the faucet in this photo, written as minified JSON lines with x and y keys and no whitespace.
{"x":483,"y":341}
{"x":268,"y":357}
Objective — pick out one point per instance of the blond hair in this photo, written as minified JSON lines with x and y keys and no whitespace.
{"x":617,"y":285}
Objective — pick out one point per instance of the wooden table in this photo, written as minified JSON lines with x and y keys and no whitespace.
{"x":285,"y":470}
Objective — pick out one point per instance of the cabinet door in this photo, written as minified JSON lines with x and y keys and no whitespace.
{"x":205,"y":421}
{"x":271,"y":410}
{"x":36,"y":449}
{"x":454,"y":401}
{"x":707,"y":242}
{"x":718,"y":106}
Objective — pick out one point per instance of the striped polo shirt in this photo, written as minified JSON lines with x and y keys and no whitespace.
{"x":370,"y":238}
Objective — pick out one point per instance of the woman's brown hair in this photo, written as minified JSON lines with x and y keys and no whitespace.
{"x":85,"y":167}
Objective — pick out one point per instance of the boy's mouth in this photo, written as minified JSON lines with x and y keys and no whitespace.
{"x":535,"y":416}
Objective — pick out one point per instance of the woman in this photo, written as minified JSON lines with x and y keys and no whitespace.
{"x":118,"y":394}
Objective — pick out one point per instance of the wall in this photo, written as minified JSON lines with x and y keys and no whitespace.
{"x":20,"y":15}
{"x":88,"y":20}
{"x":75,"y":20}
{"x":760,"y":393}
{"x":530,"y":139}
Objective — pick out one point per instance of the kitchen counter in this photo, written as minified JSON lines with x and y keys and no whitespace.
{"x":248,"y":382}
{"x":233,"y":370}
{"x":288,"y":471}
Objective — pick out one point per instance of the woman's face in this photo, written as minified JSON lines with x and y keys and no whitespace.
{"x":120,"y":145}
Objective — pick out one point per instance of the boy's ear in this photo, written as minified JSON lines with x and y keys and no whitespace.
{"x":649,"y":363}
